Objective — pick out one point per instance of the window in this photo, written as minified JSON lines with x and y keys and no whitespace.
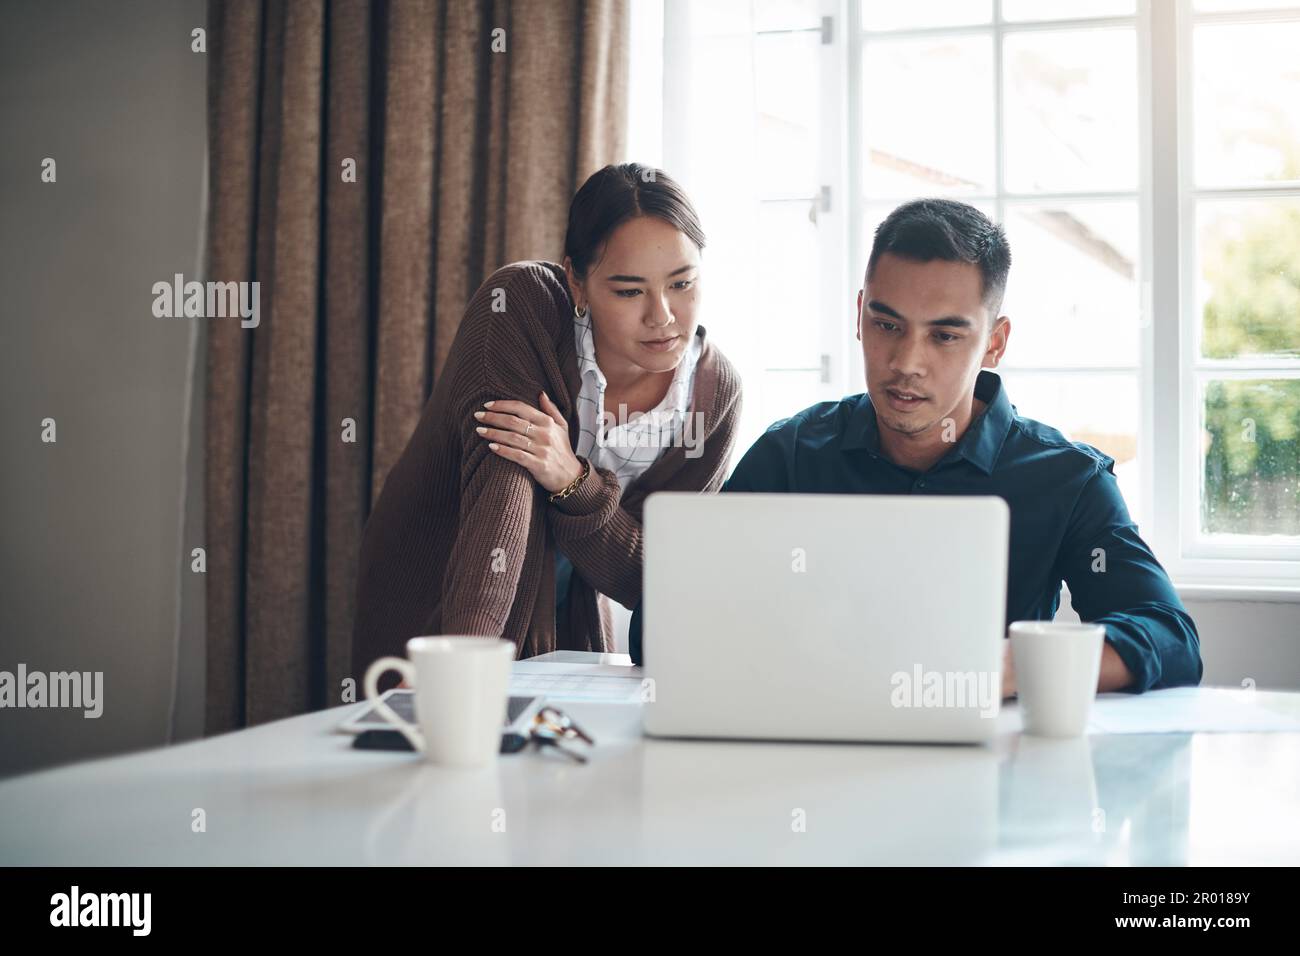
{"x":1145,"y":161}
{"x":1240,"y":76}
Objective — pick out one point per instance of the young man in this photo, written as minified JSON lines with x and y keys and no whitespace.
{"x":931,"y":422}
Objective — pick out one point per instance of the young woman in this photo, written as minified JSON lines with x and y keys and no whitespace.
{"x":571,"y":392}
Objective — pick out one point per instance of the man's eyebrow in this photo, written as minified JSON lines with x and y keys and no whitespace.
{"x":875,"y":305}
{"x":953,"y":321}
{"x":623,"y":278}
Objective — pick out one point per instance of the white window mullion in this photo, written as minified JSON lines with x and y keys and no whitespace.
{"x":678,"y":81}
{"x":1146,"y":266}
{"x":999,"y":123}
{"x":1164,"y":366}
{"x":859,"y":244}
{"x":834,"y":226}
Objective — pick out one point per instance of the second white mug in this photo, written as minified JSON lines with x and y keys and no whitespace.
{"x":1057,"y":665}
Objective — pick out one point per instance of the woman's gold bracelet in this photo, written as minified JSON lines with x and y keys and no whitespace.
{"x":572,"y":486}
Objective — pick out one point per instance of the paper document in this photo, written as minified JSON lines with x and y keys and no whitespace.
{"x":607,"y":683}
{"x":1187,"y":710}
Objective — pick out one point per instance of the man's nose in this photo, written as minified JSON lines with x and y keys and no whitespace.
{"x":908,"y":357}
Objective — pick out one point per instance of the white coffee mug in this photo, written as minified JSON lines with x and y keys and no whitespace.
{"x":1057,"y":665}
{"x":461,"y":688}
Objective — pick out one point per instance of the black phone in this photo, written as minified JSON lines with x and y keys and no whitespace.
{"x":396,"y":740}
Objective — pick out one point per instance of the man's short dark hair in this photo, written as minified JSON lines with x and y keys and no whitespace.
{"x":926,"y":229}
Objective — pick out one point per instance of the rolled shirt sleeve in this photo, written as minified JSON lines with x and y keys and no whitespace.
{"x":1115,"y":580}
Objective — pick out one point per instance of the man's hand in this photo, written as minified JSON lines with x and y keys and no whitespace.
{"x":1114,"y":673}
{"x":538,"y":440}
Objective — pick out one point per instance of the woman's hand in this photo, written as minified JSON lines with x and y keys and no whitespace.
{"x":538,"y":440}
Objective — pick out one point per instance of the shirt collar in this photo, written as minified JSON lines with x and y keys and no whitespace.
{"x":981,"y":444}
{"x":586,"y":343}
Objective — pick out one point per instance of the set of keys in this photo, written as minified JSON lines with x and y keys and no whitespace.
{"x":550,"y":728}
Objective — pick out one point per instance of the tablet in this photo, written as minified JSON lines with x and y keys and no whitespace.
{"x":520,"y":712}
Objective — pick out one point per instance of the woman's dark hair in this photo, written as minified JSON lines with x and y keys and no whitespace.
{"x":615,"y":194}
{"x":926,"y":229}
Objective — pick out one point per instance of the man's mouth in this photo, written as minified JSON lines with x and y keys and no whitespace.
{"x":903,"y":400}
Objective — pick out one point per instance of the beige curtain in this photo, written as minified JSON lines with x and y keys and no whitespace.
{"x":466,"y":158}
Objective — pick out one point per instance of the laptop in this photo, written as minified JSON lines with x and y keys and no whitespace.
{"x":824,"y":617}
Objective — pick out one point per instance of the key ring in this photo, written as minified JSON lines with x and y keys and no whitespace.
{"x":551,"y":726}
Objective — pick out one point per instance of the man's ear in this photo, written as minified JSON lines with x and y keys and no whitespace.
{"x":998,"y":339}
{"x":858,"y":318}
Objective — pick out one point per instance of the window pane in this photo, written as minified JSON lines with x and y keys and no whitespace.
{"x":1065,"y":9}
{"x":787,"y":14}
{"x":788,"y":280}
{"x":927,"y":111}
{"x":1071,"y":111}
{"x":891,"y":15}
{"x":782,"y":394}
{"x":1072,"y":294}
{"x":1247,"y":102}
{"x":1249,"y":270}
{"x":1252,"y":457}
{"x":719,"y":18}
{"x":1095,"y":408}
{"x":787,"y":118}
{"x":1238,"y":5}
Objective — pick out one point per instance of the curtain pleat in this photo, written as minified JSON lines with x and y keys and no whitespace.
{"x":235,"y":30}
{"x":346,"y":296}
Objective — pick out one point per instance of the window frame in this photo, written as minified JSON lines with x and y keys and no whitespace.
{"x":1169,"y":371}
{"x":1209,"y":558}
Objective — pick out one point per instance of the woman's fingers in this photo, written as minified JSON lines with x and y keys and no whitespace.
{"x":510,"y":423}
{"x":522,"y":410}
{"x":514,"y":439}
{"x":534,"y":439}
{"x":550,"y":408}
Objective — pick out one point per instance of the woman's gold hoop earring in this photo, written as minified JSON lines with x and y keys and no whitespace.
{"x":579,"y":313}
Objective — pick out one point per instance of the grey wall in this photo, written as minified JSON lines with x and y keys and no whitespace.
{"x":1240,"y":640}
{"x":1259,"y":640}
{"x":90,"y":551}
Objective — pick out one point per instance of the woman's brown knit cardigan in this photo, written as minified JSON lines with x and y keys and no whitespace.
{"x":462,"y":541}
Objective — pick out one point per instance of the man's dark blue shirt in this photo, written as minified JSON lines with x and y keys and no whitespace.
{"x":1068,"y":518}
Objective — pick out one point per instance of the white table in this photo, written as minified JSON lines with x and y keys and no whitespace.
{"x":295,"y":792}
